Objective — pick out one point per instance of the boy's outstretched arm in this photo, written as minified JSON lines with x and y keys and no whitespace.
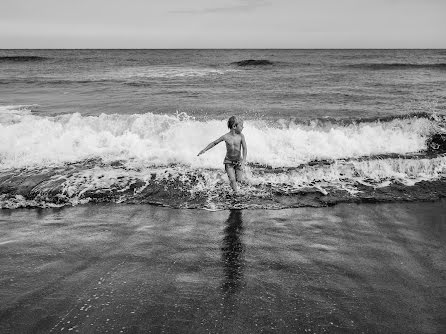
{"x":215,"y":142}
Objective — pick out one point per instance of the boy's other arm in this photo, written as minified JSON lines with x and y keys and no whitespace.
{"x":244,"y":148}
{"x":211,"y":145}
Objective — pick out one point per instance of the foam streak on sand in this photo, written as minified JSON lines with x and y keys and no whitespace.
{"x":150,"y":158}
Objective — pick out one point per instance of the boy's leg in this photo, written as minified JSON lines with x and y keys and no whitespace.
{"x":239,"y":174}
{"x":231,"y":175}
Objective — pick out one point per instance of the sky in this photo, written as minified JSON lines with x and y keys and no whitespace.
{"x":222,"y":24}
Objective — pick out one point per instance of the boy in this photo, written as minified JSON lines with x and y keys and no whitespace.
{"x":235,"y":140}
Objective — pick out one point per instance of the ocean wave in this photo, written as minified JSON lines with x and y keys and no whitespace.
{"x":134,"y":76}
{"x":7,"y":59}
{"x":28,"y":139}
{"x":396,"y":66}
{"x":327,"y":122}
{"x":161,"y":72}
{"x":93,"y":181}
{"x":151,"y":158}
{"x":15,"y":113}
{"x":252,"y":62}
{"x":54,"y":80}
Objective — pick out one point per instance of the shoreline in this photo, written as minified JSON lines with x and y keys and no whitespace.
{"x":189,"y":189}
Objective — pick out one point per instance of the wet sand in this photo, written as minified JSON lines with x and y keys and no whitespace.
{"x":371,"y":268}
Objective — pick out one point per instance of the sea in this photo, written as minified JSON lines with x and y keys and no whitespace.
{"x":125,"y":126}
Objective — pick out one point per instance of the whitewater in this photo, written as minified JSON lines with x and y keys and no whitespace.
{"x":152,"y":158}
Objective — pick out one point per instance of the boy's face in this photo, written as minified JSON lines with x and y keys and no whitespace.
{"x":239,"y":127}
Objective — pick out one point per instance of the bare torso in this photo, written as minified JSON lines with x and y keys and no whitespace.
{"x":233,"y":146}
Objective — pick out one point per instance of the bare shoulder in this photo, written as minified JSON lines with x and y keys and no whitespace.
{"x":222,"y":138}
{"x":226,"y":136}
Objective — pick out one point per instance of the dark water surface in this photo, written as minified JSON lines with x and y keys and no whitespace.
{"x":143,"y":269}
{"x":209,"y":84}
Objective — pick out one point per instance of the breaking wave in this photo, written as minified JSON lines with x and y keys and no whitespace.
{"x":151,"y":158}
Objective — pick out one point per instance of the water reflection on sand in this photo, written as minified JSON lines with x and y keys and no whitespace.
{"x":232,"y":252}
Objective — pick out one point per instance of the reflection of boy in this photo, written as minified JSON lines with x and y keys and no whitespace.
{"x":235,"y":141}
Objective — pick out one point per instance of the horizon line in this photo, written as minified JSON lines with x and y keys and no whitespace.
{"x":359,"y":48}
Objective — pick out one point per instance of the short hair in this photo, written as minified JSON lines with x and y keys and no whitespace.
{"x":232,"y":121}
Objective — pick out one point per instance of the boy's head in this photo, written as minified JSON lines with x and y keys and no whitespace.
{"x":235,"y":123}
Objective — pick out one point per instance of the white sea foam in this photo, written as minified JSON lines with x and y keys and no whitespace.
{"x":81,"y":184}
{"x":14,"y":113}
{"x":141,"y":72}
{"x":149,"y":139}
{"x":375,"y":173}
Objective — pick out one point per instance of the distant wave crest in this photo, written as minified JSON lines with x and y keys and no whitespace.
{"x":134,"y":76}
{"x":253,"y":62}
{"x":5,"y":59}
{"x":402,"y":66}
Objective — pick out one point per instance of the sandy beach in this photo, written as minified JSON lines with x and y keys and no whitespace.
{"x":369,"y":268}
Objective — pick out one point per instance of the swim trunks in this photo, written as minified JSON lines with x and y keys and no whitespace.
{"x":236,"y":164}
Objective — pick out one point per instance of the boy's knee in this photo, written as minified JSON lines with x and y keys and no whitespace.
{"x":240,"y":177}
